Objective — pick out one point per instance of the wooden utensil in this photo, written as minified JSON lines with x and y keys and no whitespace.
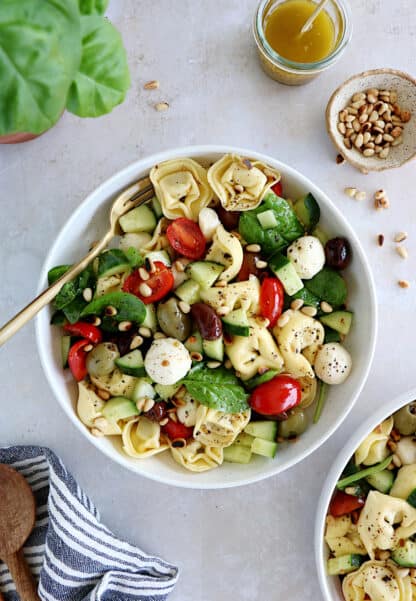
{"x":17,"y":519}
{"x":131,"y":197}
{"x":308,"y":24}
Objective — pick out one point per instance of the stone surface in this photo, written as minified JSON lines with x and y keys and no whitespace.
{"x":254,"y":542}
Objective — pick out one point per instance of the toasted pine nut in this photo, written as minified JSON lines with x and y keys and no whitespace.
{"x":310,"y":311}
{"x":151,"y":85}
{"x":351,"y":192}
{"x":283,"y":319}
{"x":143,"y":273}
{"x":195,"y":356}
{"x":261,"y":264}
{"x":103,"y":394}
{"x":296,"y":304}
{"x":87,"y":294}
{"x":253,"y":248}
{"x":124,"y":326}
{"x":380,"y":239}
{"x":145,"y":332}
{"x":326,"y":307}
{"x":110,"y":311}
{"x":161,"y":106}
{"x":148,"y":405}
{"x":404,"y":284}
{"x":136,"y":342}
{"x":164,"y":421}
{"x":400,"y":237}
{"x":145,"y":290}
{"x":184,"y":307}
{"x":88,"y":348}
{"x":402,"y":251}
{"x":213,"y":364}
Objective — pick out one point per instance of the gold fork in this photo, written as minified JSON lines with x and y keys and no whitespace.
{"x":131,"y":197}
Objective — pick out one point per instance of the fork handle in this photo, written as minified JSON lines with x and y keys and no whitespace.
{"x":26,"y":314}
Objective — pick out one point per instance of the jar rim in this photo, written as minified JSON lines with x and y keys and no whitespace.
{"x":296,"y":66}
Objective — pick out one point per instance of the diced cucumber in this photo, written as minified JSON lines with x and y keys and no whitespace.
{"x":286,"y":272}
{"x":157,"y":208}
{"x":143,"y":389}
{"x":214,"y":348}
{"x":321,"y":235}
{"x":244,"y":439}
{"x":266,"y":448}
{"x":140,"y":219}
{"x":236,"y":323}
{"x":65,"y":346}
{"x":340,"y":321}
{"x":267,"y":430}
{"x":166,"y":391}
{"x":382,"y":481}
{"x":194,"y":343}
{"x":405,"y":556}
{"x":267,"y":219}
{"x":189,"y":292}
{"x":308,"y":298}
{"x":205,"y":273}
{"x":331,"y":335}
{"x":159,"y":255}
{"x":112,"y":262}
{"x":150,"y":321}
{"x":119,"y":407}
{"x":308,"y":211}
{"x":337,"y":566}
{"x":237,"y":454}
{"x":411,"y":499}
{"x":261,"y":379}
{"x":132,"y":364}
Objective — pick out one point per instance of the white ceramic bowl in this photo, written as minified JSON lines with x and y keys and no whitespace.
{"x":89,"y":222}
{"x":330,"y":585}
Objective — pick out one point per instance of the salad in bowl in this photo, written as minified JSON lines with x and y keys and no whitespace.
{"x":213,"y":327}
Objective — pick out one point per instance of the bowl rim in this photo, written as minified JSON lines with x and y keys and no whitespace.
{"x":333,"y":475}
{"x":330,"y":127}
{"x":199,"y":151}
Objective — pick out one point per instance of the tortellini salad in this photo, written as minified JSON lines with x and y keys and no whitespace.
{"x":213,"y":326}
{"x":371,"y":524}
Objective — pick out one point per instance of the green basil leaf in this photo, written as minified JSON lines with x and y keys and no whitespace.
{"x":216,"y":388}
{"x":129,"y":307}
{"x":66,"y":295}
{"x":92,"y":7}
{"x":134,"y":257}
{"x":328,"y":285}
{"x":103,"y":76}
{"x":56,"y":272}
{"x":73,"y":311}
{"x":40,"y":51}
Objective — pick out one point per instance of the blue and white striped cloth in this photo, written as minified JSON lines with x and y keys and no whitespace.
{"x":74,"y":556}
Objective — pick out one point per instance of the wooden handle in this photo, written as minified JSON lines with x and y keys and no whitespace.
{"x":22,"y":576}
{"x":26,"y":314}
{"x":1,"y":597}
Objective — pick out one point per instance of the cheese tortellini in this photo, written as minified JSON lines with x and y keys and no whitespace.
{"x":89,"y":409}
{"x":196,"y":457}
{"x":244,"y":295}
{"x":309,"y":387}
{"x":342,"y":536}
{"x":182,"y":188}
{"x":377,"y":581}
{"x":256,"y":351}
{"x":239,"y":183}
{"x":374,"y":449}
{"x":217,"y":429}
{"x":141,"y":438}
{"x":405,"y":482}
{"x":116,"y":383}
{"x":226,"y":249}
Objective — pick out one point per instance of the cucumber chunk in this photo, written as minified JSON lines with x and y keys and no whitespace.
{"x":150,"y":321}
{"x":244,"y":439}
{"x":214,"y":349}
{"x":119,"y":407}
{"x":205,"y":273}
{"x":266,"y":448}
{"x":194,"y":343}
{"x":321,"y":235}
{"x":112,"y":262}
{"x":159,"y":255}
{"x":237,"y":454}
{"x":382,"y":481}
{"x":157,"y":208}
{"x":261,"y":379}
{"x":65,"y":346}
{"x":236,"y":323}
{"x":405,"y":556}
{"x":267,"y":219}
{"x":411,"y":499}
{"x":340,"y":321}
{"x":140,"y":219}
{"x":266,"y":430}
{"x":166,"y":391}
{"x":189,"y":292}
{"x":286,"y":272}
{"x":337,"y":566}
{"x":143,"y":389}
{"x":132,"y":364}
{"x":307,"y":211}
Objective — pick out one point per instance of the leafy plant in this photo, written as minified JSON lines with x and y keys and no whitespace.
{"x":57,"y":55}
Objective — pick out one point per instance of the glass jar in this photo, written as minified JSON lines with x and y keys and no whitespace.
{"x":291,"y":72}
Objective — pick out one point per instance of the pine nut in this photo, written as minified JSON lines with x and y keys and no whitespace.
{"x":220,"y":284}
{"x":310,"y":311}
{"x":149,"y":404}
{"x":366,"y":137}
{"x":253,"y":248}
{"x":380,"y":239}
{"x":404,"y":284}
{"x":261,"y":264}
{"x":361,"y":195}
{"x":151,"y":85}
{"x":393,"y":96}
{"x":356,"y":125}
{"x":373,"y":117}
{"x":213,"y":364}
{"x":195,"y":356}
{"x":368,"y":152}
{"x":87,"y":348}
{"x":351,"y":192}
{"x":363,"y":118}
{"x":145,"y":290}
{"x":161,"y":106}
{"x":350,"y":118}
{"x":384,"y":153}
{"x":103,"y":394}
{"x":143,"y":273}
{"x":396,"y":460}
{"x":159,"y":335}
{"x":400,"y":237}
{"x":342,"y":115}
{"x":405,"y":116}
{"x":326,"y":307}
{"x":358,"y":96}
{"x":164,"y":421}
{"x":347,"y":143}
{"x":124,"y":326}
{"x":96,"y":321}
{"x":371,"y":98}
{"x":378,"y":139}
{"x":352,"y":110}
{"x":145,"y":332}
{"x":283,"y":319}
{"x":110,"y":311}
{"x":140,"y":403}
{"x":296,"y":304}
{"x":380,"y":123}
{"x":380,"y":194}
{"x":396,"y":132}
{"x":184,"y":307}
{"x":388,"y":138}
{"x":402,"y":252}
{"x":96,"y":432}
{"x":136,"y":342}
{"x":402,"y":572}
{"x":87,"y":295}
{"x":358,"y":142}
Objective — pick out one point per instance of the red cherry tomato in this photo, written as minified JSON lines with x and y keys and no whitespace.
{"x":272,"y":295}
{"x":277,"y":188}
{"x":174,"y":430}
{"x":276,"y":396}
{"x":84,"y":330}
{"x":160,"y":283}
{"x":249,"y":267}
{"x":342,"y":504}
{"x":77,"y":359}
{"x":186,"y":238}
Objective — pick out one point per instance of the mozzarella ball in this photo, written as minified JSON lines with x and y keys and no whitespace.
{"x":208,"y":221}
{"x":307,"y":255}
{"x":333,"y":363}
{"x":187,"y":412}
{"x":167,"y":361}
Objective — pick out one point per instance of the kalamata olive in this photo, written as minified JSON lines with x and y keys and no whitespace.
{"x":249,"y":266}
{"x":405,"y":419}
{"x":101,"y":360}
{"x":157,"y":412}
{"x":121,"y":339}
{"x":338,"y":253}
{"x":207,"y":321}
{"x":229,"y":219}
{"x":294,"y":426}
{"x":172,"y":320}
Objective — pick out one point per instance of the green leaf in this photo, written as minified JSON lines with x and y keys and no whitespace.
{"x":66,"y":295}
{"x":92,"y":7}
{"x":103,"y":76}
{"x":129,"y":307}
{"x":134,"y":257}
{"x":216,"y":388}
{"x":328,"y":285}
{"x":56,"y":272}
{"x":71,"y":290}
{"x":73,"y":311}
{"x":40,"y":51}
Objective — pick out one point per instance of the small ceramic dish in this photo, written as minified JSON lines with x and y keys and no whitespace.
{"x":381,"y":79}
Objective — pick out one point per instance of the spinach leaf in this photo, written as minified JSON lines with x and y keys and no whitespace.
{"x":67,"y":294}
{"x":92,"y":7}
{"x":328,"y":285}
{"x":216,"y":388}
{"x":111,"y":261}
{"x":288,"y":226}
{"x":56,"y":272}
{"x":129,"y":307}
{"x":103,"y":76}
{"x":73,"y":311}
{"x":134,"y":257}
{"x":70,"y":291}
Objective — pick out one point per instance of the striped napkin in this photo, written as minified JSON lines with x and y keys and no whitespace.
{"x":75,"y":557}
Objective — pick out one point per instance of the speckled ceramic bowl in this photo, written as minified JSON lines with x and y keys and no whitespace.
{"x":382,"y":79}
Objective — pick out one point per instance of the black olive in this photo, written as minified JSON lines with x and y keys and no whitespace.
{"x":338,"y":253}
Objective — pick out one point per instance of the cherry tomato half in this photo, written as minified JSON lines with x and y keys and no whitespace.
{"x":77,"y":359}
{"x":249,"y":267}
{"x":174,"y":430}
{"x":272,"y":296}
{"x":277,"y":188}
{"x":186,"y":238}
{"x":342,"y":504}
{"x":160,"y":283}
{"x":84,"y":330}
{"x":276,"y":396}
